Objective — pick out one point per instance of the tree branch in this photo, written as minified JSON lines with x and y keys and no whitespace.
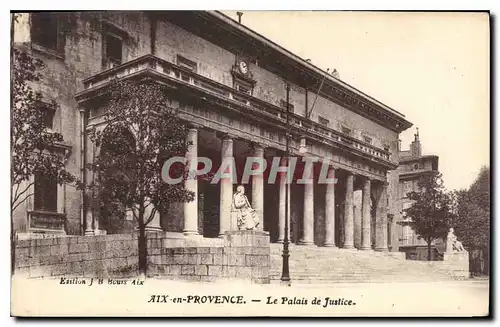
{"x":17,"y":196}
{"x":18,"y":204}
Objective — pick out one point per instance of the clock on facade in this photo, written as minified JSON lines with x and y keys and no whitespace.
{"x":243,"y":66}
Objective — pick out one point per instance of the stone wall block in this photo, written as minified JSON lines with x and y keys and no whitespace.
{"x":260,"y":272}
{"x":217,"y":250}
{"x":78,"y":247}
{"x":187,"y":270}
{"x":236,"y":259}
{"x":205,"y":258}
{"x":256,"y":260}
{"x":174,"y":270}
{"x":219,"y":259}
{"x":214,"y":270}
{"x":244,"y":272}
{"x":201,"y":270}
{"x":203,"y":250}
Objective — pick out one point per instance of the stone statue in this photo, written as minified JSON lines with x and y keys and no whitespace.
{"x":246,"y":216}
{"x":452,"y":243}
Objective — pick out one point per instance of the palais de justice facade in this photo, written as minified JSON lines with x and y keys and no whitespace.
{"x":229,"y":84}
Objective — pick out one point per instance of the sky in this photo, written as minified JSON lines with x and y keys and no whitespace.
{"x":431,"y":67}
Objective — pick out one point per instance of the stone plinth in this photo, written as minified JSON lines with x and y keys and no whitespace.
{"x":247,"y":255}
{"x":457,"y":263}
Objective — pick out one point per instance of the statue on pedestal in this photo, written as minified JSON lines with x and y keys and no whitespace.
{"x":452,"y":243}
{"x":246,"y":216}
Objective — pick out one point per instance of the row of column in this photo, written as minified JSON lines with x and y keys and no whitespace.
{"x":226,"y":194}
{"x":308,"y":215}
{"x":226,"y":187}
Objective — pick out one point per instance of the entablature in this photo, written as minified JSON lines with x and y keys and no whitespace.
{"x":207,"y":92}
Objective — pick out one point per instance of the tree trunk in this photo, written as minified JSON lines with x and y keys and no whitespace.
{"x":142,"y":243}
{"x":429,"y":241}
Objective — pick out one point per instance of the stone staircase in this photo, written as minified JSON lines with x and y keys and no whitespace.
{"x":312,"y":264}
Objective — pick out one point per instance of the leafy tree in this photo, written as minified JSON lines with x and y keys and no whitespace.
{"x":33,"y":146}
{"x":431,"y":212}
{"x":472,"y":223}
{"x":141,"y":133}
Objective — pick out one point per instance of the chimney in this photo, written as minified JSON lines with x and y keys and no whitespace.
{"x":416,"y":147}
{"x":239,"y":13}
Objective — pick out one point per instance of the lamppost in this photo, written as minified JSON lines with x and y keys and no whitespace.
{"x":285,"y":275}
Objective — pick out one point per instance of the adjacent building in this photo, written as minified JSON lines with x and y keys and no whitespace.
{"x":413,"y":165}
{"x":229,"y":84}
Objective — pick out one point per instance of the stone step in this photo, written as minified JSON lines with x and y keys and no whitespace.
{"x":312,"y":264}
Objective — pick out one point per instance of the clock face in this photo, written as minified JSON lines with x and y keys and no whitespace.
{"x":243,"y":67}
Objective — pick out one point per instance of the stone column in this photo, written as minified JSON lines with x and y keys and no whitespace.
{"x":226,"y":188}
{"x":61,"y":198}
{"x":89,"y":195}
{"x":357,"y":219}
{"x":366,"y":216}
{"x":349,"y":214}
{"x":89,"y":219}
{"x":308,"y":222}
{"x":330,"y":211}
{"x":281,"y":215}
{"x":258,"y":188}
{"x":191,"y":184}
{"x":381,"y":220}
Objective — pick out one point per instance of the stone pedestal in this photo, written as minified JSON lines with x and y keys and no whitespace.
{"x":457,"y":263}
{"x":247,"y":255}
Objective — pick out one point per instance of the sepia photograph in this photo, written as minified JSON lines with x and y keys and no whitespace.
{"x":183,"y":163}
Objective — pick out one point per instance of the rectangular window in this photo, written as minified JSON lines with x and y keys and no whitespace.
{"x":45,"y":197}
{"x":367,"y":139}
{"x":45,"y":31}
{"x":283,"y":105}
{"x":323,"y":121}
{"x":48,"y":116}
{"x":112,"y":50}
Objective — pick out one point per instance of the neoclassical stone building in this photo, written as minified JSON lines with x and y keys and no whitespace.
{"x":229,"y":84}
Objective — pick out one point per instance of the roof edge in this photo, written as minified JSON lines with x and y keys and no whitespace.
{"x":304,"y":63}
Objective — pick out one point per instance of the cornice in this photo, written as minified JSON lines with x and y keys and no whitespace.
{"x":342,"y":92}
